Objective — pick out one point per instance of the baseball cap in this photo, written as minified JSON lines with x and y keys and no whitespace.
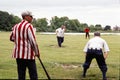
{"x":26,"y":13}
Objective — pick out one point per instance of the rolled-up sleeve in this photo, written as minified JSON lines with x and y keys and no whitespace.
{"x":106,"y":48}
{"x":86,"y":47}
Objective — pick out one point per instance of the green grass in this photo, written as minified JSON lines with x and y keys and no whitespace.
{"x":54,"y":58}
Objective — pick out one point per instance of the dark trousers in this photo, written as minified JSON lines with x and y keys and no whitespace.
{"x":60,"y":40}
{"x":87,"y":35}
{"x":98,"y":55}
{"x":22,"y":64}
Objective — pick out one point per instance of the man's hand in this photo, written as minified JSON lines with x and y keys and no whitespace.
{"x":11,"y":37}
{"x":105,"y":55}
{"x":37,"y":55}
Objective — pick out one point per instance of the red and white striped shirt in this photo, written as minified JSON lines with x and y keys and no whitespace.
{"x":25,"y":42}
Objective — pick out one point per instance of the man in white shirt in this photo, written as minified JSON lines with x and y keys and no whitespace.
{"x":60,"y":35}
{"x":94,"y":49}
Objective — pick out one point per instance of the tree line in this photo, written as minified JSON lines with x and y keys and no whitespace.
{"x":7,"y":21}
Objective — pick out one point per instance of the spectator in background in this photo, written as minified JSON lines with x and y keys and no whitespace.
{"x":87,"y":30}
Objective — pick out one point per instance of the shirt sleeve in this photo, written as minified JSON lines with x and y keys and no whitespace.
{"x":12,"y":35}
{"x":32,"y":39}
{"x":86,"y":47}
{"x":106,"y":48}
{"x":56,"y":31}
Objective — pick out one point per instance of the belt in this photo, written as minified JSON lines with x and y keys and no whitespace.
{"x":94,"y":48}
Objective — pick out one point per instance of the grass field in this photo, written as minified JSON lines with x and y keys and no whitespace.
{"x":61,"y":63}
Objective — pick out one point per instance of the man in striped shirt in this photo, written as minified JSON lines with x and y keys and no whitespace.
{"x":25,"y":48}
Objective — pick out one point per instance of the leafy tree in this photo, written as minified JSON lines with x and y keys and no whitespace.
{"x":41,"y":24}
{"x":92,"y":28}
{"x":3,"y":20}
{"x":83,"y":26}
{"x":77,"y":25}
{"x":72,"y":26}
{"x":56,"y":22}
{"x":7,"y":21}
{"x":107,"y":27}
{"x":98,"y":27}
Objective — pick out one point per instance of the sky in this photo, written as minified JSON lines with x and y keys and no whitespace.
{"x":92,"y":12}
